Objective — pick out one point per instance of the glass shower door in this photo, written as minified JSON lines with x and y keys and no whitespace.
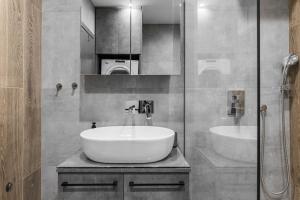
{"x":274,"y":45}
{"x":221,"y":98}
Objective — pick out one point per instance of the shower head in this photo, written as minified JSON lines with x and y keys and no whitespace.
{"x":287,"y":62}
{"x":290,"y":60}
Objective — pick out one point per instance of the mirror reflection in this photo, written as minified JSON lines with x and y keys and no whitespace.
{"x":134,"y":37}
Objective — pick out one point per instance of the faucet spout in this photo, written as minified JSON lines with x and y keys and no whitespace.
{"x":131,"y":109}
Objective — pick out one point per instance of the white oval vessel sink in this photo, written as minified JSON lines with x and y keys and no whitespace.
{"x":127,"y":144}
{"x":235,"y":142}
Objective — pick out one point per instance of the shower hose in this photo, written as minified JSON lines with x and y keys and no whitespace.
{"x":286,"y":181}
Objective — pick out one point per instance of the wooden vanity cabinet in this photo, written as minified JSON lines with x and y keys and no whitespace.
{"x":82,"y":179}
{"x":127,"y":186}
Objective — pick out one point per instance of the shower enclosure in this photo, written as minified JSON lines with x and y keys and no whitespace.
{"x":233,"y":64}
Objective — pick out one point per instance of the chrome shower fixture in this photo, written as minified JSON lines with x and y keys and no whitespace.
{"x":290,"y":60}
{"x":59,"y":87}
{"x":287,"y":62}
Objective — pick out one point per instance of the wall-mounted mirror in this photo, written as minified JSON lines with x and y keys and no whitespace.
{"x":136,"y":37}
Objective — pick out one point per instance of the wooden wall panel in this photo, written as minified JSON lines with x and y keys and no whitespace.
{"x":14,"y":76}
{"x":32,"y":89}
{"x":11,"y":124}
{"x":32,"y":100}
{"x":3,"y":42}
{"x":36,"y":3}
{"x":295,"y":100}
{"x":294,"y":38}
{"x":294,"y":12}
{"x":11,"y":42}
{"x":32,"y":186}
{"x":20,"y":99}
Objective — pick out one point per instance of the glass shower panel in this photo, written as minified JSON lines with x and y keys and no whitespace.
{"x":274,"y":44}
{"x":221,"y":98}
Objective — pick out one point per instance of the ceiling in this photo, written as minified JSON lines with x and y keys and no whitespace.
{"x":154,"y":11}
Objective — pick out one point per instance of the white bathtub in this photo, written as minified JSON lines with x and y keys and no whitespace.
{"x":235,"y":142}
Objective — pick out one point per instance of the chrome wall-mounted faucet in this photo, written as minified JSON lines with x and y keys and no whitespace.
{"x":131,"y":109}
{"x":58,"y":88}
{"x":74,"y":87}
{"x":131,"y":106}
{"x":142,"y":106}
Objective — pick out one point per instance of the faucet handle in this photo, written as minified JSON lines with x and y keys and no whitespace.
{"x":74,"y":87}
{"x":59,"y":87}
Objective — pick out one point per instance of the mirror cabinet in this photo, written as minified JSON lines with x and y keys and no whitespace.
{"x":134,"y":37}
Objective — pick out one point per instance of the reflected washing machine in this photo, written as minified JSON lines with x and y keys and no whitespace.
{"x":116,"y":66}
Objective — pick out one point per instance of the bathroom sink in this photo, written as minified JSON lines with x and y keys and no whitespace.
{"x":127,"y":144}
{"x":238,"y":143}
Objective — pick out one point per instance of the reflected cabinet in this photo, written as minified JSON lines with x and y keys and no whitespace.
{"x":115,"y":28}
{"x":141,"y":38}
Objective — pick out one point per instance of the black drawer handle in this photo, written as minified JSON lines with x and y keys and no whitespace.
{"x":132,"y":184}
{"x":66,"y":184}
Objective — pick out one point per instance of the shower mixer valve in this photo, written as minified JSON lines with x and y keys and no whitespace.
{"x":236,"y":103}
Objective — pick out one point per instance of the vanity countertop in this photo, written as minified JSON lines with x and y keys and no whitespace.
{"x":78,"y":163}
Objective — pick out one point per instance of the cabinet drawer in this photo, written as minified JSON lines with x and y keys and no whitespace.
{"x":156,"y":186}
{"x":90,"y":186}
